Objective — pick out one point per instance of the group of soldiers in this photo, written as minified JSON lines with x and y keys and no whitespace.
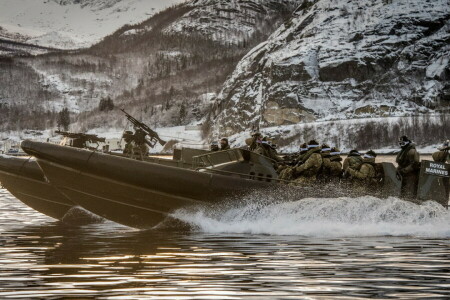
{"x":317,"y":163}
{"x":224,"y":145}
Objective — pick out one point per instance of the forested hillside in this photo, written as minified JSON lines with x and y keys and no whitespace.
{"x":162,"y":71}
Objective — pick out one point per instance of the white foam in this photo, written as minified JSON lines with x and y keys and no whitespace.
{"x":342,"y":217}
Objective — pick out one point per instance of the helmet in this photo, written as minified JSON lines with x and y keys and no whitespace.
{"x":445,"y":146}
{"x":303,"y":147}
{"x":335,"y":151}
{"x":403,"y":141}
{"x":354,"y":152}
{"x":370,"y":154}
{"x":325,"y":148}
{"x":313,"y":144}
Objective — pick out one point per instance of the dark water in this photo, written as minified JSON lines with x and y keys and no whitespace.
{"x":237,"y":255}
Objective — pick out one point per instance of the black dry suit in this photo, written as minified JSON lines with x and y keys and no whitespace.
{"x":408,"y":161}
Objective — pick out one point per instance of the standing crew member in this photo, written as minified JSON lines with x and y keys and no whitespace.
{"x":128,"y":137}
{"x":408,"y":161}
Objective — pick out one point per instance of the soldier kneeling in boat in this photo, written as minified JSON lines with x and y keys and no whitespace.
{"x":353,"y":160}
{"x":264,"y":147}
{"x":332,"y":166}
{"x":442,"y":156}
{"x":312,"y":163}
{"x":365,"y":177}
{"x":287,"y":171}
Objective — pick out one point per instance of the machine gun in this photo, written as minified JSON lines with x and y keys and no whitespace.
{"x":79,"y":139}
{"x":154,"y":137}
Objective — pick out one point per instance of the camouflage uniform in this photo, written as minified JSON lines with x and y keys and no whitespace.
{"x":441,"y":156}
{"x":310,"y":168}
{"x":353,"y":160}
{"x":252,"y":142}
{"x":366,"y":172}
{"x":128,"y":150}
{"x":408,"y":161}
{"x":364,"y":181}
{"x":332,"y":167}
{"x":128,"y":137}
{"x":287,"y":172}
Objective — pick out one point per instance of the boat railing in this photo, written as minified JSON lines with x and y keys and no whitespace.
{"x":213,"y":159}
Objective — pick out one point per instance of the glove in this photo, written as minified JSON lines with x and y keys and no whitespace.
{"x":401,"y":171}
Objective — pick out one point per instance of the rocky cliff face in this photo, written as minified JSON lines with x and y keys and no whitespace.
{"x":340,"y":59}
{"x":234,"y":21}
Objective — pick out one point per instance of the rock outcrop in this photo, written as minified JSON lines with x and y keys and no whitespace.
{"x":342,"y":59}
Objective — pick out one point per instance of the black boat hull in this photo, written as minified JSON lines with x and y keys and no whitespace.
{"x":25,"y":180}
{"x":133,"y":193}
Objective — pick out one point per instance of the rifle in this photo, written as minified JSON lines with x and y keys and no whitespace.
{"x":154,"y":137}
{"x":91,"y":138}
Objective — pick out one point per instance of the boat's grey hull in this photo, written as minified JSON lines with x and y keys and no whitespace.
{"x":24,"y":179}
{"x":133,"y":193}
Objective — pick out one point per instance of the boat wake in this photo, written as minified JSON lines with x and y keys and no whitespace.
{"x":77,"y":216}
{"x":341,"y":217}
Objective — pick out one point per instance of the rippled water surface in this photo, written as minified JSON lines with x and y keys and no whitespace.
{"x":314,"y":249}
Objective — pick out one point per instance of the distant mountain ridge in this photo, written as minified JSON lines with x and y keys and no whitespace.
{"x":163,"y":73}
{"x":71,"y":24}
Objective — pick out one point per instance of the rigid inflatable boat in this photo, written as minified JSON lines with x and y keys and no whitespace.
{"x":23,"y":178}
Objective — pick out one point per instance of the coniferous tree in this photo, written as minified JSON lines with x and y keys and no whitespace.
{"x":64,"y":119}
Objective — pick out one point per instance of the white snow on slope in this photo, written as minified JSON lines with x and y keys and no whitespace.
{"x":68,"y":25}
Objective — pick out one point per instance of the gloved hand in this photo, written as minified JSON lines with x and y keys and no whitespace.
{"x":401,"y":171}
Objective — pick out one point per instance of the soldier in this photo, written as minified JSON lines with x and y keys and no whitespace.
{"x":408,"y":161}
{"x":252,"y":142}
{"x":140,"y":149}
{"x":128,"y":137}
{"x":272,"y":150}
{"x":312,"y":163}
{"x":287,"y":172}
{"x":332,"y":166}
{"x":442,"y":156}
{"x":353,"y":160}
{"x":214,"y":146}
{"x":224,"y":144}
{"x":365,"y":177}
{"x":367,"y":169}
{"x":263,"y":147}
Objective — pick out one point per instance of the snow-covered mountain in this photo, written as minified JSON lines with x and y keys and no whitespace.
{"x":340,"y":59}
{"x":230,"y":21}
{"x":70,"y":24}
{"x":164,"y":73}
